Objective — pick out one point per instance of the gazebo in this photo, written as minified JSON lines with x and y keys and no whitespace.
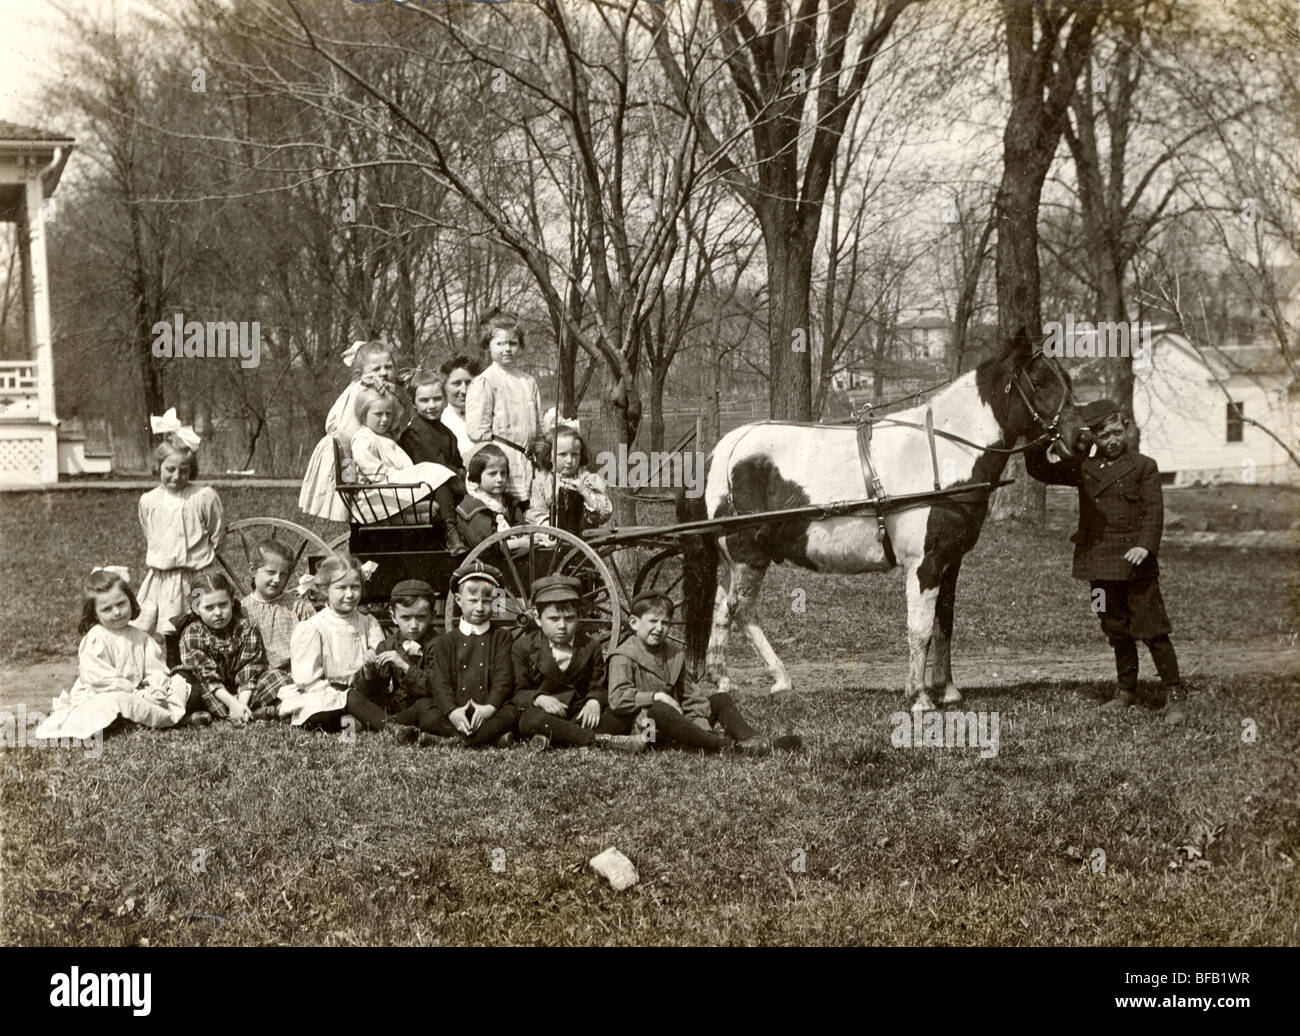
{"x":31,"y":162}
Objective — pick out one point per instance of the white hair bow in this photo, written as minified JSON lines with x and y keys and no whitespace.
{"x":350,"y":353}
{"x":305,"y":583}
{"x":118,"y":570}
{"x":170,"y":423}
{"x":368,"y":569}
{"x":552,"y":419}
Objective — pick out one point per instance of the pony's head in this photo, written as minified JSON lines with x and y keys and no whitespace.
{"x":1031,"y":396}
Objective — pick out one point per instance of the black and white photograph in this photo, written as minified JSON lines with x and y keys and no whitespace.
{"x":650,"y":473}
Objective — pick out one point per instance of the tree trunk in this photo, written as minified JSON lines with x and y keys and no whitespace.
{"x":789,"y":268}
{"x":1019,"y":306}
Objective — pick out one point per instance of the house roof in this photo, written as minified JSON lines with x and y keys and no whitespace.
{"x":12,"y":131}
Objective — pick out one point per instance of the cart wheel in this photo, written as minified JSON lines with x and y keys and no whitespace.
{"x":239,"y":551}
{"x":339,"y":545}
{"x":665,"y":574}
{"x":547,"y":552}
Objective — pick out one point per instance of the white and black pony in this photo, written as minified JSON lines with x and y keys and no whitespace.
{"x":979,"y":420}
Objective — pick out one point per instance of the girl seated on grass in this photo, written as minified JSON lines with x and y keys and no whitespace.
{"x":121,"y":673}
{"x":328,"y":650}
{"x":223,"y":657}
{"x":489,"y":505}
{"x":583,"y":499}
{"x":379,"y":459}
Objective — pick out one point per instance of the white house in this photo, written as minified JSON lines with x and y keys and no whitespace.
{"x":32,"y":450}
{"x":1190,"y":425}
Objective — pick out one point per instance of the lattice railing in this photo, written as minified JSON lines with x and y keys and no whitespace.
{"x":18,"y":377}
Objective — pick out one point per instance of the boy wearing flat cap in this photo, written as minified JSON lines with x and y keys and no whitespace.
{"x":1121,"y":518}
{"x":470,"y":667}
{"x":559,"y":676}
{"x":395,"y":685}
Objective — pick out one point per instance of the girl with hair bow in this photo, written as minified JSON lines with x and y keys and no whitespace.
{"x":373,"y":365}
{"x":183,"y":524}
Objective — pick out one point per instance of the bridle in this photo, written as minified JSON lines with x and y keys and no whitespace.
{"x":1050,"y":430}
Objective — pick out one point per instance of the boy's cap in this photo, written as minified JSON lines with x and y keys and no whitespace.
{"x":554,"y":589}
{"x":654,"y":597}
{"x":412,"y":588}
{"x":1098,"y":412}
{"x":475,"y":570}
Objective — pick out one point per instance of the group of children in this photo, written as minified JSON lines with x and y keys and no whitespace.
{"x":474,"y":442}
{"x":272,"y":655}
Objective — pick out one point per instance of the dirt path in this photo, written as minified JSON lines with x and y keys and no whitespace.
{"x":34,"y":685}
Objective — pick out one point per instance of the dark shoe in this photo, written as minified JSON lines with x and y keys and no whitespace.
{"x":788,"y":743}
{"x":1175,"y":711}
{"x":198,"y":719}
{"x":426,"y":740}
{"x":403,"y":734}
{"x":753,"y":746}
{"x":267,"y":712}
{"x":539,"y":743}
{"x":621,"y":742}
{"x":507,"y":740}
{"x":1121,"y":701}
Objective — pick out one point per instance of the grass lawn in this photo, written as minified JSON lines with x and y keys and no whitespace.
{"x":271,"y":835}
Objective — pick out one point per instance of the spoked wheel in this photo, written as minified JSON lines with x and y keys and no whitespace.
{"x":665,"y":574}
{"x":238,"y":554}
{"x":545,"y":551}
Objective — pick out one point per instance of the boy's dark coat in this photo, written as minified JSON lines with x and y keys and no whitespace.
{"x":1121,"y":506}
{"x":536,"y":673}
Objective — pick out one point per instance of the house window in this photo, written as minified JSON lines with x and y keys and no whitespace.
{"x":1235,"y":412}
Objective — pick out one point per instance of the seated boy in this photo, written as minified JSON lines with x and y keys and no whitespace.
{"x":647,"y":676}
{"x":560,"y":677}
{"x":472,"y":681}
{"x":1121,"y":518}
{"x":395,"y":687}
{"x":268,"y":607}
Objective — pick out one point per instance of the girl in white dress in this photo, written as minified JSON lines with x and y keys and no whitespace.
{"x":378,"y":458}
{"x":503,"y":404}
{"x":327,"y":651}
{"x":184,"y":526}
{"x":586,"y":505}
{"x":457,"y":374}
{"x":120,"y":668}
{"x":372,"y":363}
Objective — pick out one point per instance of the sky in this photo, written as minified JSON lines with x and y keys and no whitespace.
{"x":29,"y":35}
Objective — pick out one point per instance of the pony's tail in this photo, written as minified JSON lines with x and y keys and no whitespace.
{"x":699,"y":583}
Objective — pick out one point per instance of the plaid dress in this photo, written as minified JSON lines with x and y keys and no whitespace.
{"x":275,"y":621}
{"x":233,"y":660}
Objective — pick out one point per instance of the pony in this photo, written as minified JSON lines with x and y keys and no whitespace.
{"x":978,"y":420}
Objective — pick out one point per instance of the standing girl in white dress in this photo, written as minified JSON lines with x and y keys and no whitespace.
{"x":503,"y":405}
{"x":328,"y":650}
{"x":373,"y":364}
{"x":120,"y":668}
{"x":379,"y":459}
{"x":183,"y":524}
{"x":457,"y":374}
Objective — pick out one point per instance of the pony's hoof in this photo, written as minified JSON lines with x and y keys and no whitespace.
{"x":781,"y":687}
{"x":951,"y":696}
{"x":923,"y":703}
